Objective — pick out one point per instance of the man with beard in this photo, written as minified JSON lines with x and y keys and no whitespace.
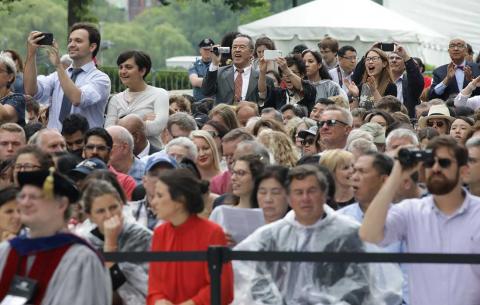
{"x":73,"y":131}
{"x":447,"y":221}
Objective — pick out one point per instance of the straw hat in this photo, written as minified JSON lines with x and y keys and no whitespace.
{"x":436,"y":112}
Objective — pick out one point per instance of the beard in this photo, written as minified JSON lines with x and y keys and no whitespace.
{"x":438,"y":184}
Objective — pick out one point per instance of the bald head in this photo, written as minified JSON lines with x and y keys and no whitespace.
{"x":135,"y":125}
{"x":50,"y":140}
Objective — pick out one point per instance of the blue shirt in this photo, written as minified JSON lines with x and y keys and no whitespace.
{"x":200,"y":68}
{"x":137,"y":170}
{"x":95,"y":88}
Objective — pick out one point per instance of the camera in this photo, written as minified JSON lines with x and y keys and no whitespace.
{"x":221,"y":50}
{"x":47,"y":40}
{"x":409,"y":157}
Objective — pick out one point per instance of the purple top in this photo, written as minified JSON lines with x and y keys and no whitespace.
{"x":424,"y":228}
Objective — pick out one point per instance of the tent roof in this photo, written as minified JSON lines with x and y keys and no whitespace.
{"x":344,"y":20}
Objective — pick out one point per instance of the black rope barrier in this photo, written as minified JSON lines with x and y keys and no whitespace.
{"x":215,"y":256}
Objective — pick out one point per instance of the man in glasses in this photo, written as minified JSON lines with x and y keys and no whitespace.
{"x":407,"y":77}
{"x":98,"y":144}
{"x":335,"y":124}
{"x":453,"y":77}
{"x":347,"y":60}
{"x":439,"y":118}
{"x":446,"y":221}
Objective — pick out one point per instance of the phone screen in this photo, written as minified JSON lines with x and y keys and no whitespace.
{"x":47,"y":40}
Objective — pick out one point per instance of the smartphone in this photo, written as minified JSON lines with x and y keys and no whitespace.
{"x":272,"y":54}
{"x":387,"y":47}
{"x":47,"y":40}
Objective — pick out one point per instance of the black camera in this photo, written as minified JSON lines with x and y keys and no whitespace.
{"x":409,"y":157}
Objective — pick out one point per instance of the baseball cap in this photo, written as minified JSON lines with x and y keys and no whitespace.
{"x":86,"y":167}
{"x":207,"y":42}
{"x":311,"y":131}
{"x":160,"y":157}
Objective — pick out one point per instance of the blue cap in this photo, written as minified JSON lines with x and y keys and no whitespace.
{"x":86,"y":167}
{"x":160,"y":157}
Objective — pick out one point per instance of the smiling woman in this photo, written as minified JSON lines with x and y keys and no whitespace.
{"x":149,"y":102}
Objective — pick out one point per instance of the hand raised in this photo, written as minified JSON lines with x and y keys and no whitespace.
{"x":112,"y":228}
{"x":352,"y":88}
{"x":372,"y":82}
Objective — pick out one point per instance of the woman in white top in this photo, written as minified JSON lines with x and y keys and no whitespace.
{"x":148,"y":102}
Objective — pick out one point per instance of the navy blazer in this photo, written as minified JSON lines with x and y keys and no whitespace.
{"x":220,"y":84}
{"x":412,"y":86}
{"x":452,"y":87}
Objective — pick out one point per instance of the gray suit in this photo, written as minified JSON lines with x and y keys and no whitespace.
{"x":220,"y":83}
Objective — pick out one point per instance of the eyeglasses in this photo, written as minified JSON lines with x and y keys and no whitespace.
{"x":239,"y":173}
{"x":373,"y":59}
{"x":351,"y":58}
{"x":21,"y":197}
{"x":443,"y":162}
{"x":92,"y":147}
{"x":26,"y":167}
{"x":439,"y":124}
{"x":458,"y":46}
{"x":330,"y":123}
{"x":307,"y":141}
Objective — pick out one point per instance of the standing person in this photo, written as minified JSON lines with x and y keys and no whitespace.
{"x":328,"y":47}
{"x":199,"y":70}
{"x":81,"y":88}
{"x":317,"y":74}
{"x":150,"y":103}
{"x":236,"y":82}
{"x":347,"y":60}
{"x":178,"y":198}
{"x":12,"y":104}
{"x":66,"y":269}
{"x":447,"y":221}
{"x":451,"y":78}
{"x":372,"y":79}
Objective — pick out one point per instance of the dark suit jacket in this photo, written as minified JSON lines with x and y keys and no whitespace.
{"x":277,"y":97}
{"x":452,"y":87}
{"x":412,"y":86}
{"x":221,"y":84}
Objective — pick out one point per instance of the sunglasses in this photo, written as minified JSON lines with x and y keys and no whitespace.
{"x":444,"y":163}
{"x":439,"y":124}
{"x":308,"y":141}
{"x":330,"y":123}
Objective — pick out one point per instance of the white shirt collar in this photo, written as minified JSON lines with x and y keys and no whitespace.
{"x":145,"y":151}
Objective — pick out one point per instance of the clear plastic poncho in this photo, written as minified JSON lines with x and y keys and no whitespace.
{"x":306,"y":283}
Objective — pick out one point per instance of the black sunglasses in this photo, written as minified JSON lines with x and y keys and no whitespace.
{"x":443,"y":162}
{"x":308,"y":141}
{"x":330,"y":123}
{"x":439,"y":124}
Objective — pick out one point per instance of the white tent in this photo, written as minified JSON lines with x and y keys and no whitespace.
{"x":459,"y":19}
{"x":359,"y":23}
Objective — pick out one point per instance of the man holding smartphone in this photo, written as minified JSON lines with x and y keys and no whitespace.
{"x":81,"y":88}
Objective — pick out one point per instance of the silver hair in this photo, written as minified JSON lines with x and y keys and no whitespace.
{"x":362,"y":145}
{"x":358,"y":134}
{"x":39,"y":136}
{"x":402,"y":133}
{"x":256,"y":148}
{"x":473,"y":142}
{"x":10,"y":65}
{"x":192,"y":150}
{"x":184,"y":121}
{"x":346,"y":114}
{"x":122,"y":134}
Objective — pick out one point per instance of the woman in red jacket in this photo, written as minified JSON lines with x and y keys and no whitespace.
{"x":178,"y":199}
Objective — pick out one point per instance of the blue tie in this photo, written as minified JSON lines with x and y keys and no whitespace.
{"x":66,"y":104}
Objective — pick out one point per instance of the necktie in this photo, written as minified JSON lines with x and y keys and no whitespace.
{"x":460,"y":67}
{"x":238,"y":86}
{"x":66,"y":104}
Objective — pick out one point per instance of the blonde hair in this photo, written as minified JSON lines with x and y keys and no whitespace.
{"x":211,"y":142}
{"x":333,"y":158}
{"x":340,"y":101}
{"x":279,"y":144}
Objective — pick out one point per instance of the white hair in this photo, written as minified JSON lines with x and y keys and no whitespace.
{"x":185,"y":142}
{"x":400,"y":133}
{"x":358,"y":134}
{"x":122,"y":134}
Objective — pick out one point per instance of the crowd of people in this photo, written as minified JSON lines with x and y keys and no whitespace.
{"x":320,"y":150}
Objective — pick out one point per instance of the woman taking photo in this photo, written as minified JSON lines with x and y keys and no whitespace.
{"x":12,"y":105}
{"x":111,"y":233}
{"x":178,"y":199}
{"x":208,"y":159}
{"x":371,"y":79}
{"x":318,"y":75}
{"x":149,"y":102}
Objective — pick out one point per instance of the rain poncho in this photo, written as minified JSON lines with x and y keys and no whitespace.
{"x":313,"y":283}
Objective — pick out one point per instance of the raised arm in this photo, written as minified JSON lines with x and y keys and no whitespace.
{"x":30,"y":69}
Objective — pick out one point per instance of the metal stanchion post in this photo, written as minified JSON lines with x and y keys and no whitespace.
{"x":216,"y":256}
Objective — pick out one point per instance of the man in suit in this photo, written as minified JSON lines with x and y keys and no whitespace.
{"x":451,"y":78}
{"x":407,"y":77}
{"x":135,"y":125}
{"x":237,"y":82}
